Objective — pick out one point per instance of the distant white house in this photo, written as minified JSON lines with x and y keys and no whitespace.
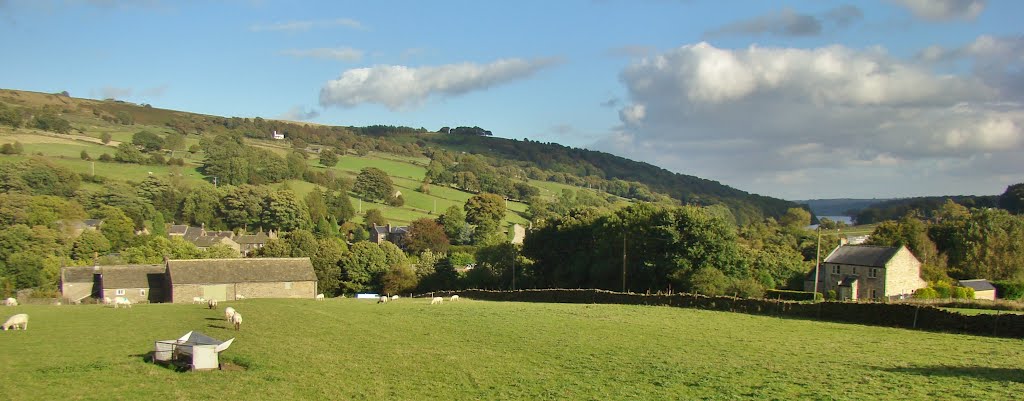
{"x":278,"y":136}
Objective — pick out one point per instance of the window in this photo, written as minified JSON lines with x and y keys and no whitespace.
{"x":835,"y":269}
{"x":874,"y":292}
{"x":873,"y":273}
{"x":119,"y":291}
{"x":142,"y":293}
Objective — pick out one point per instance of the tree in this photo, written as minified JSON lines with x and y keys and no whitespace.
{"x":116,"y":227}
{"x":373,"y":217}
{"x":328,"y":158}
{"x":242,"y":206}
{"x":174,"y":141}
{"x":795,"y":218}
{"x":339,"y":207}
{"x":485,"y":211}
{"x":297,"y":164}
{"x":709,"y":281}
{"x":373,"y":184}
{"x":1013,"y":199}
{"x":316,"y":204}
{"x":105,"y":138}
{"x":128,"y":153}
{"x":148,"y":141}
{"x":88,"y":244}
{"x":399,"y":279}
{"x":200,"y":206}
{"x":363,"y":267}
{"x":282,"y":211}
{"x":326,"y":261}
{"x":84,"y":155}
{"x":425,"y":234}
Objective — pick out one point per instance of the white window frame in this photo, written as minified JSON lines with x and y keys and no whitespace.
{"x":873,"y":273}
{"x":119,"y":291}
{"x":835,"y":269}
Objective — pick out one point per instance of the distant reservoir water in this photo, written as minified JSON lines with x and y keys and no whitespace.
{"x":845,"y":219}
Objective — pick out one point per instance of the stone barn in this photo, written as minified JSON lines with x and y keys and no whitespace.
{"x":138,"y":283}
{"x":226,"y":279}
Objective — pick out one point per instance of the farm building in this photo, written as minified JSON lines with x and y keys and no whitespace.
{"x":983,"y":289}
{"x":226,"y":279}
{"x":868,"y":272}
{"x":138,"y":283}
{"x":388,"y":233}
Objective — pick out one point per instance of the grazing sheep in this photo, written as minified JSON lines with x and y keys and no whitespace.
{"x":11,"y":302}
{"x":436,"y":300}
{"x":240,"y":297}
{"x":394,"y":297}
{"x":107,"y":301}
{"x":455,"y":298}
{"x":198,"y":300}
{"x":229,"y":312}
{"x":17,"y":321}
{"x":122,"y":301}
{"x":236,"y":320}
{"x":319,"y":297}
{"x":383,"y":299}
{"x":211,"y":303}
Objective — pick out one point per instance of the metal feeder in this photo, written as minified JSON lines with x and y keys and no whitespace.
{"x":194,"y":349}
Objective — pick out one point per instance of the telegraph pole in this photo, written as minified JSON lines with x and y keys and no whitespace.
{"x":513,"y":266}
{"x":817,"y":263}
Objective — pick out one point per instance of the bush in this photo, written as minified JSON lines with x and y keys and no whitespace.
{"x":787,"y":295}
{"x":963,"y":293}
{"x":746,"y":288}
{"x":832,"y":295}
{"x":944,"y":290}
{"x":106,"y":157}
{"x":1009,"y":289}
{"x":926,"y":293}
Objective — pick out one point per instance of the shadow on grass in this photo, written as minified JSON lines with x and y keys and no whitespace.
{"x":972,"y":372}
{"x":214,"y":318}
{"x":217,"y":326}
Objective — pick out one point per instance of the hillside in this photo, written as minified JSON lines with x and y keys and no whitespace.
{"x":569,"y":168}
{"x":838,"y":207}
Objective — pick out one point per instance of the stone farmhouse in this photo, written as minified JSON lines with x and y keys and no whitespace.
{"x":181,"y":280}
{"x":857,"y":272}
{"x":388,"y":233}
{"x":244,"y":244}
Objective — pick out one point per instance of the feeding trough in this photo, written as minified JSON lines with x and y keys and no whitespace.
{"x":195,"y":350}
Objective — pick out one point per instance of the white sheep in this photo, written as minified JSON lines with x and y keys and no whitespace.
{"x":198,"y":300}
{"x":122,"y":301}
{"x":240,"y":297}
{"x":17,"y":321}
{"x":228,"y":313}
{"x":320,"y":297}
{"x":211,"y":303}
{"x":107,"y":301}
{"x":236,"y":320}
{"x":383,"y":299}
{"x":436,"y":300}
{"x":11,"y":302}
{"x":455,"y":298}
{"x":394,"y":297}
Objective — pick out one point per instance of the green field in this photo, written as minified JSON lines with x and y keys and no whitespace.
{"x":410,"y":350}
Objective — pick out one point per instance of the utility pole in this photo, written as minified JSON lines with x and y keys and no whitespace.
{"x":817,"y":263}
{"x":513,"y":266}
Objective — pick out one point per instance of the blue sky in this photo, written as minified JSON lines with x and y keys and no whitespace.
{"x":793,"y":99}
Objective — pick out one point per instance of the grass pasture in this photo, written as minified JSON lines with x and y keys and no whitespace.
{"x":410,"y":350}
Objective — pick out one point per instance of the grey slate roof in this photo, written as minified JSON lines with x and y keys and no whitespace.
{"x":978,"y":284}
{"x":209,"y":240}
{"x":177,"y":229}
{"x":78,"y":274}
{"x":258,"y":238}
{"x":223,"y":271}
{"x":132,"y":276}
{"x":862,"y":255}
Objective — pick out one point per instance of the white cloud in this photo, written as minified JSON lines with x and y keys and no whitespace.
{"x":113,"y":92}
{"x":397,"y":86}
{"x":333,"y":53}
{"x":299,"y":26}
{"x":299,"y":113}
{"x":939,"y":10}
{"x":760,"y":118}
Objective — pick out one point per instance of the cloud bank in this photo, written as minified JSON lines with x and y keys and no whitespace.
{"x":767,"y":118}
{"x":790,"y":23}
{"x":397,"y":86}
{"x":941,"y":10}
